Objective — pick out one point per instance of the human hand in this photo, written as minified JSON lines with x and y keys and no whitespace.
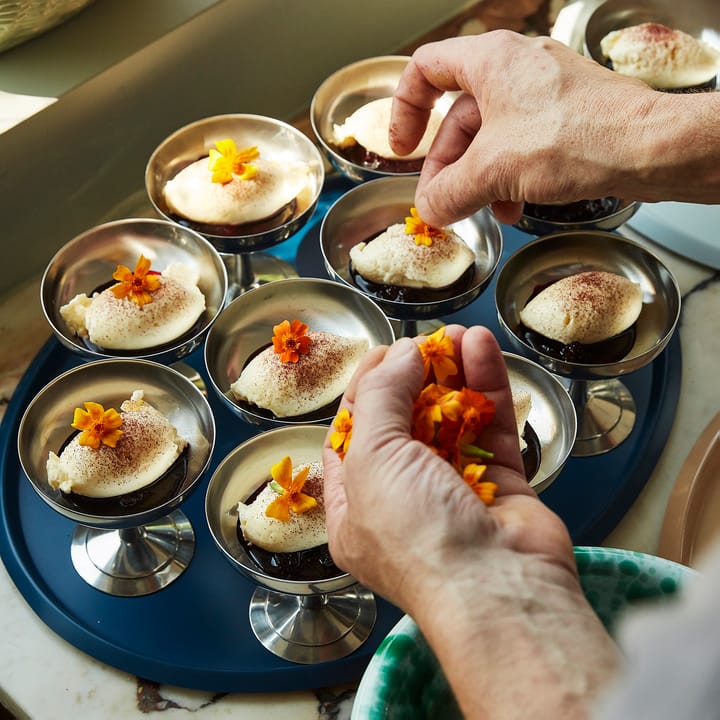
{"x":536,"y":122}
{"x":400,"y":518}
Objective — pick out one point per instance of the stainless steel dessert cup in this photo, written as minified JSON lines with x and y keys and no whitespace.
{"x":88,"y":262}
{"x":122,"y":552}
{"x":370,"y":208}
{"x":276,"y":140}
{"x":605,"y":408}
{"x":552,"y":416}
{"x":303,"y":622}
{"x":537,"y":226}
{"x":246,"y":326}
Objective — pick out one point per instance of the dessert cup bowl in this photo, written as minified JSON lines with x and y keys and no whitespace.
{"x":275,"y":139}
{"x":141,"y":543}
{"x":246,"y":326}
{"x":88,"y":262}
{"x":348,"y":89}
{"x":604,"y":406}
{"x":368,"y":209}
{"x":613,"y":220}
{"x":699,"y":18}
{"x":552,"y":416}
{"x":304,"y":622}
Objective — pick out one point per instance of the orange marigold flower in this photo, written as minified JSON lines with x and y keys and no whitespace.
{"x":423,"y":233}
{"x":473,"y":474}
{"x":437,"y":352}
{"x":137,"y":285}
{"x":340,"y":437}
{"x":227,"y":160}
{"x":290,"y":341}
{"x":98,"y":425}
{"x":291,"y":497}
{"x":427,"y":413}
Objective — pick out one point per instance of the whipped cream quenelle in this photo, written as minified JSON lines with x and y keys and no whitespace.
{"x":301,"y":531}
{"x":522,"y":404}
{"x":662,"y":57}
{"x":147,"y":448}
{"x":290,"y":388}
{"x":396,"y":258}
{"x":120,"y":323}
{"x":587,"y":307}
{"x":249,"y":192}
{"x":369,"y":126}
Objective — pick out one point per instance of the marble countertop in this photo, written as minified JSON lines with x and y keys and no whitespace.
{"x":43,"y":676}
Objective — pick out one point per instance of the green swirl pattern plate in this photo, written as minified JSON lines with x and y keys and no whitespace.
{"x":403,"y":680}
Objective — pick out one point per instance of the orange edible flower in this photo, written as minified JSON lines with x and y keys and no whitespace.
{"x":139,"y":285}
{"x":290,"y":341}
{"x":424,"y":234}
{"x":472,"y":474}
{"x":98,"y":425}
{"x":292,"y":497}
{"x":437,"y":352}
{"x":340,"y":437}
{"x":227,"y":161}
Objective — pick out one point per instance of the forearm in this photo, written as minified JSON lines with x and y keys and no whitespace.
{"x":517,"y":639}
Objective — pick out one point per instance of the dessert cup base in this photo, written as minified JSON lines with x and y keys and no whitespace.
{"x":606,"y":415}
{"x":135,"y":561}
{"x":412,"y":328}
{"x":312,"y":629}
{"x":250,"y":270}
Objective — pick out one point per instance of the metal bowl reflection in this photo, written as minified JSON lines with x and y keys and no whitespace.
{"x":552,"y":257}
{"x":275,"y":139}
{"x":348,"y":89}
{"x":246,"y":326}
{"x":552,"y":416}
{"x":88,"y":262}
{"x":613,"y":220}
{"x":370,"y":208}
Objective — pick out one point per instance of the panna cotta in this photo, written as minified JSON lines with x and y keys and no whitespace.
{"x":235,"y":187}
{"x":413,"y":255}
{"x":588,"y":307}
{"x":522,"y":404}
{"x":301,"y":372}
{"x":295,"y":531}
{"x":115,"y":453}
{"x":369,"y":127}
{"x":665,"y":58}
{"x":143,"y":310}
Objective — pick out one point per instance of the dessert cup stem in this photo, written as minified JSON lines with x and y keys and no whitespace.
{"x":311,"y":629}
{"x":250,"y":270}
{"x":134,"y":561}
{"x":605,"y":415}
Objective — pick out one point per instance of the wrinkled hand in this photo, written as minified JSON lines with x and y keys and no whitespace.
{"x":400,"y":518}
{"x":535,"y":121}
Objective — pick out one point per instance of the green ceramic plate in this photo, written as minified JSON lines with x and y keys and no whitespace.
{"x":404,"y":681}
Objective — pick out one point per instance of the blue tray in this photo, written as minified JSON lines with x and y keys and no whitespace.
{"x":195,"y":633}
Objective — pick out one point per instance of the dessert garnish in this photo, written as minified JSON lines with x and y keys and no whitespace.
{"x":290,"y":340}
{"x":227,"y":160}
{"x":289,"y":490}
{"x":302,"y":372}
{"x":137,"y":285}
{"x":422,"y":233}
{"x":97,"y":425}
{"x":450,"y":423}
{"x":103,"y":461}
{"x":437,"y":353}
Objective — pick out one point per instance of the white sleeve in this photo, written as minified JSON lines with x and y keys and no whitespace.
{"x":672,"y":668}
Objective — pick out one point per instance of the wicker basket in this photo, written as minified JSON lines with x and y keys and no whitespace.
{"x":21,"y":20}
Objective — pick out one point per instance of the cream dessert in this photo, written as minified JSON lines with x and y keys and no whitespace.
{"x":367,"y":130}
{"x":115,"y":453}
{"x":587,"y":307}
{"x":143,"y":310}
{"x":231,"y":187}
{"x":522,"y":403}
{"x":663,"y":57}
{"x":302,"y":371}
{"x":282,"y":525}
{"x":413,"y":255}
